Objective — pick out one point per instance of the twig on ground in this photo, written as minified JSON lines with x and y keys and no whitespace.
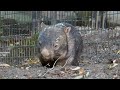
{"x":54,"y":66}
{"x":51,"y":68}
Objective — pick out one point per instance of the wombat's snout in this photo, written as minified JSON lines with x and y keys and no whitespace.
{"x":45,"y":53}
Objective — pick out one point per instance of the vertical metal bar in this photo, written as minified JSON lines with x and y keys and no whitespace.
{"x":92,"y":19}
{"x":54,"y":17}
{"x":38,"y":20}
{"x":33,"y":20}
{"x":106,"y":19}
{"x":97,"y":17}
{"x":103,"y":21}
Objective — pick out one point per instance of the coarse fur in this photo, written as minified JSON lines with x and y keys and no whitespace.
{"x":61,"y":41}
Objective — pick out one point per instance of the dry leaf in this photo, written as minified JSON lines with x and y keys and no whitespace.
{"x":79,"y":77}
{"x":29,"y":77}
{"x":62,"y":72}
{"x":27,"y":68}
{"x":113,"y":65}
{"x":114,"y":61}
{"x":22,"y":67}
{"x":87,"y":74}
{"x":4,"y":65}
{"x":115,"y":76}
{"x":31,"y":61}
{"x":118,"y":52}
{"x":81,"y":71}
{"x":77,"y":68}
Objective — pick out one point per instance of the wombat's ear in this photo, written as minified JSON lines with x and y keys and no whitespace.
{"x":67,"y":29}
{"x":43,"y":25}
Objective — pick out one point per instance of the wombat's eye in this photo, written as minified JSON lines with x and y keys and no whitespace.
{"x":56,"y":46}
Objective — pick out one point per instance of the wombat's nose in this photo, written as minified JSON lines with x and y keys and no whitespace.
{"x":45,"y":53}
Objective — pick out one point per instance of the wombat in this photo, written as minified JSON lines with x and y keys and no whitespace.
{"x":61,"y":42}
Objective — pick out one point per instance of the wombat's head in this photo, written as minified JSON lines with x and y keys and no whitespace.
{"x":52,"y":42}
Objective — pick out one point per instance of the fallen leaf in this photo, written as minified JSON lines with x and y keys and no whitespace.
{"x":22,"y":67}
{"x":29,"y":77}
{"x":4,"y":65}
{"x":115,"y":76}
{"x":79,"y":77}
{"x":62,"y":72}
{"x":113,"y":65}
{"x":114,"y":61}
{"x":77,"y":68}
{"x":27,"y":68}
{"x":31,"y":61}
{"x":81,"y":71}
{"x":118,"y":52}
{"x":87,"y":74}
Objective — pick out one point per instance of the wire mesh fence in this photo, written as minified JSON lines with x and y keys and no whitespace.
{"x":19,"y":31}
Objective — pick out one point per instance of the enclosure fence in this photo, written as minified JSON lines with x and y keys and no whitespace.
{"x":19,"y":31}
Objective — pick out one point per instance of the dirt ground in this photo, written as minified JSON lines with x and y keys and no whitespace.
{"x":91,"y":67}
{"x":86,"y":71}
